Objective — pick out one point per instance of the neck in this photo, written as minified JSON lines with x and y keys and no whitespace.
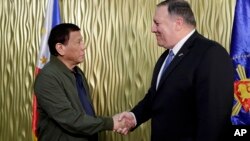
{"x":184,"y":33}
{"x":68,"y":64}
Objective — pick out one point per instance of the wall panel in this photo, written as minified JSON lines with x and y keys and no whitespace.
{"x":19,"y":41}
{"x":215,"y":19}
{"x":121,"y":53}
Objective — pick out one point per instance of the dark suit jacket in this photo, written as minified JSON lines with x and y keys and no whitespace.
{"x":61,"y":115}
{"x":194,"y":98}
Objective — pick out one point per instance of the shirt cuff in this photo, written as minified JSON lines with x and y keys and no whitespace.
{"x":134,"y":117}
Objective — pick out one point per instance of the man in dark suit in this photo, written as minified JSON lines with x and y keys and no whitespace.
{"x":191,"y":99}
{"x":64,"y":105}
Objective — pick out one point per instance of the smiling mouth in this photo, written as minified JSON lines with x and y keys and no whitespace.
{"x":157,"y":35}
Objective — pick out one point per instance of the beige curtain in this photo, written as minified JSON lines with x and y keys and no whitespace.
{"x":120,"y":57}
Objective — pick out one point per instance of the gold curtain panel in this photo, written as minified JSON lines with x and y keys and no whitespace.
{"x":120,"y":57}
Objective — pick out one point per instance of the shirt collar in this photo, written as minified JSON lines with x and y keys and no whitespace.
{"x":178,"y":46}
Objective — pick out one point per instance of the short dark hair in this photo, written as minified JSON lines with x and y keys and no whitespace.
{"x":180,"y":8}
{"x":60,"y":34}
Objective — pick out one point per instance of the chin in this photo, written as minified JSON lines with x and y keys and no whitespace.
{"x":160,"y":44}
{"x":80,"y":61}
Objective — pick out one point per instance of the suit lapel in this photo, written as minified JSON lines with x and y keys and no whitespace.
{"x":175,"y":62}
{"x":178,"y":57}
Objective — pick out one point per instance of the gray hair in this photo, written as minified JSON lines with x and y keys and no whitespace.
{"x":180,"y":8}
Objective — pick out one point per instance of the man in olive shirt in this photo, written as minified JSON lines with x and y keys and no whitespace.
{"x":65,"y":109}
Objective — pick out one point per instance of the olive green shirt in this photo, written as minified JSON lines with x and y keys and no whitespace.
{"x":61,"y":115}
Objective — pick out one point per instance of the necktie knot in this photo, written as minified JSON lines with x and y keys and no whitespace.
{"x":171,"y":54}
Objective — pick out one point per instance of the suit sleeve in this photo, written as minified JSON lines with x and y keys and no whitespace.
{"x":53,"y":100}
{"x":142,"y":110}
{"x":214,"y":94}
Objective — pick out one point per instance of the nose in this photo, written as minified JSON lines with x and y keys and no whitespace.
{"x":153,"y":28}
{"x":83,"y":47}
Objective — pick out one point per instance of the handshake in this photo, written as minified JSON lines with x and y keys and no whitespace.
{"x":124,"y":122}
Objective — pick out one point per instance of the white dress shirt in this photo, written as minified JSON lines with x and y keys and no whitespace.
{"x":175,"y":50}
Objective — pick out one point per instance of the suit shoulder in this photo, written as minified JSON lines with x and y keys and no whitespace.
{"x":49,"y":72}
{"x":204,"y":43}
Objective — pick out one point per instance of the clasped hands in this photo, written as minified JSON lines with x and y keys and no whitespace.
{"x":123,"y":122}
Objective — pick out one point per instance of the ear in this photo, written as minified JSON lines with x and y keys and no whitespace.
{"x":60,"y":48}
{"x":179,"y":21}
